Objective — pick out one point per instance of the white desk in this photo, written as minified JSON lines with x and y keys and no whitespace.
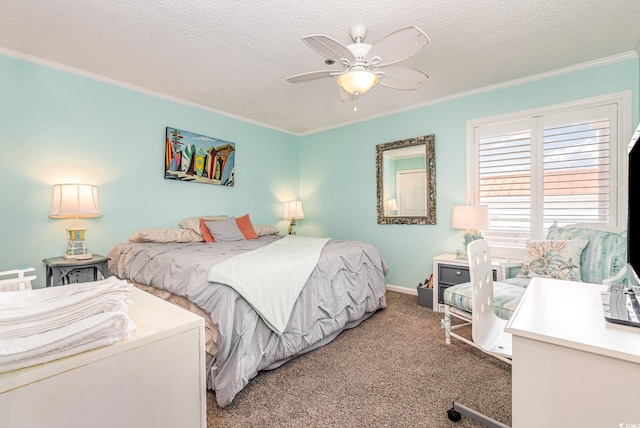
{"x":155,"y":378}
{"x":572,"y":368}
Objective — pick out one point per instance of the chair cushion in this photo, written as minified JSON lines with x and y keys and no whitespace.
{"x":506,"y":296}
{"x":604,"y":255}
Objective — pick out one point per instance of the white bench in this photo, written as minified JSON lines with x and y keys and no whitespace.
{"x":18,"y":282}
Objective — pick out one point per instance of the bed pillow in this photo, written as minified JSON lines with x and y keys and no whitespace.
{"x":193,"y":223}
{"x":225,"y":230}
{"x":206,"y":235}
{"x":265,"y":229}
{"x":553,"y":259}
{"x":165,"y":235}
{"x":245,"y":226}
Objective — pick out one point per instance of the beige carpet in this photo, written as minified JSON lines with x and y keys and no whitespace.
{"x":393,"y":370}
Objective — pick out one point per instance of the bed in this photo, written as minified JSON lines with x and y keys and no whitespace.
{"x":345,"y":287}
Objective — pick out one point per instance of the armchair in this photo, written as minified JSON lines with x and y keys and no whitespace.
{"x":604,"y":255}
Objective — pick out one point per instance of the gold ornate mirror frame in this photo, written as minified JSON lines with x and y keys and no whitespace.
{"x":391,"y":209}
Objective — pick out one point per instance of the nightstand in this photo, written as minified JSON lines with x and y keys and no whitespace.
{"x":61,"y":271}
{"x":449,"y":270}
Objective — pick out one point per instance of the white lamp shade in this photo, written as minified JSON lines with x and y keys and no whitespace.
{"x":75,"y":201}
{"x":292,"y":210}
{"x":470,"y":217}
{"x":357,"y":81}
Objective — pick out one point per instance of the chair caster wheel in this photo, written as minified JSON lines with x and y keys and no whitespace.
{"x":453,"y":415}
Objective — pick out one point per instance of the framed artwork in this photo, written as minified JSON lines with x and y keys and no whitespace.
{"x":198,"y":158}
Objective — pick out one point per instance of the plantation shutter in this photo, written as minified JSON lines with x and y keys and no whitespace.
{"x":504,"y":181}
{"x":535,"y":171}
{"x":578,"y":160}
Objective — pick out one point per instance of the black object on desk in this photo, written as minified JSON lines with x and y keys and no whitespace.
{"x":61,"y":271}
{"x":621,"y":304}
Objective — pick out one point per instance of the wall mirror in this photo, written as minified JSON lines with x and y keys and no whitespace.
{"x":406,"y":181}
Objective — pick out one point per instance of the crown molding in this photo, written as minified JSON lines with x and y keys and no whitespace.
{"x":51,"y":64}
{"x":135,"y":88}
{"x":498,"y":86}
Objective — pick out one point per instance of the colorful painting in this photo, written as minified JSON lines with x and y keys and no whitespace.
{"x":194,"y":157}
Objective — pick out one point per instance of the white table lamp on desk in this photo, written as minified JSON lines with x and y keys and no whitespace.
{"x":75,"y":201}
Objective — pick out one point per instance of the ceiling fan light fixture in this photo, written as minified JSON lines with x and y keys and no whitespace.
{"x":358,"y":81}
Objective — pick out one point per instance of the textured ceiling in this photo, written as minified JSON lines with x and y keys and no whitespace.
{"x":234,"y":57}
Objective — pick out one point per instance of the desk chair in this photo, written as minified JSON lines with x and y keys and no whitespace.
{"x":487,"y":329}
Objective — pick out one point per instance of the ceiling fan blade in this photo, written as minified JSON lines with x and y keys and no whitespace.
{"x":398,"y":46}
{"x":346,"y":96}
{"x":313,"y":75}
{"x":330,"y":48}
{"x":406,"y":79}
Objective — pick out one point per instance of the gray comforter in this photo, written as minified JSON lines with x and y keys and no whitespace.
{"x":347,"y":286}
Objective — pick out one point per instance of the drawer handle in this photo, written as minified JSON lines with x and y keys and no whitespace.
{"x":458,"y":273}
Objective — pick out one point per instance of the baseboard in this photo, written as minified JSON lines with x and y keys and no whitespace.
{"x":412,"y":291}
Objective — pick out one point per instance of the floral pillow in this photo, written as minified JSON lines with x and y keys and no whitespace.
{"x":553,"y":259}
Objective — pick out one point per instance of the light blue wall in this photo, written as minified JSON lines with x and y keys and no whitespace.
{"x":57,"y":127}
{"x":338,"y":175}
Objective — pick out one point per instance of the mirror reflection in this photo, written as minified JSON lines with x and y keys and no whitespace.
{"x":406,"y":181}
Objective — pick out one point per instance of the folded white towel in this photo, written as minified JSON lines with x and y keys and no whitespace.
{"x":24,"y":304}
{"x":90,"y":333}
{"x":41,"y":323}
{"x":44,"y":324}
{"x":50,"y":306}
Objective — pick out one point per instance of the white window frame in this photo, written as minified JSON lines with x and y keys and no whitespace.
{"x":618,"y":183}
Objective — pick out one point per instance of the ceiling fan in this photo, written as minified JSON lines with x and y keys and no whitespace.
{"x":365,"y":65}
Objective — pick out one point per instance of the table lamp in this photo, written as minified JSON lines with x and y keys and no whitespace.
{"x":471,"y":218}
{"x":292,"y":211}
{"x":390,"y":207}
{"x":75,"y":201}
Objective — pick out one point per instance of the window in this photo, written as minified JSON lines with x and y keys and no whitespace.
{"x":558,"y":164}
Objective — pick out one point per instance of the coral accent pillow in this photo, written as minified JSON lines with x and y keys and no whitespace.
{"x":553,"y":259}
{"x":244,"y":223}
{"x":204,"y":230}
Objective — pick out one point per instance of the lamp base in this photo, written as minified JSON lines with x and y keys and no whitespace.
{"x":85,"y":256}
{"x":292,"y":227}
{"x":77,"y":249}
{"x":469,"y":237}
